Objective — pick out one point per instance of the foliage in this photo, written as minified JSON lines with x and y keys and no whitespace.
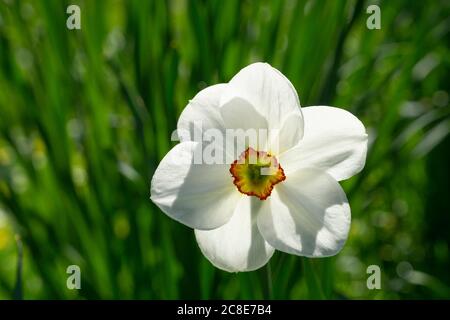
{"x":86,"y":115}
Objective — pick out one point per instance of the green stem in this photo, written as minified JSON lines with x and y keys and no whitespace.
{"x":269,"y":281}
{"x":314,"y":287}
{"x":18,"y":294}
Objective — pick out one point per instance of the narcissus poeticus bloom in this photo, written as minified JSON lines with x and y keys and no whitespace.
{"x":279,"y":190}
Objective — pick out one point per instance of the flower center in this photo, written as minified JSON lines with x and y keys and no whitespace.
{"x":256,"y":172}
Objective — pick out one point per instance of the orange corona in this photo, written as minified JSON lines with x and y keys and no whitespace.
{"x":255,"y":173}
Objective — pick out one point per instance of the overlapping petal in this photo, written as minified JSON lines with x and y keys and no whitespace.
{"x":272,"y":95}
{"x":334,"y":141}
{"x":202,"y":113}
{"x":201,"y":196}
{"x":307,"y":215}
{"x":237,"y":245}
{"x":289,"y":135}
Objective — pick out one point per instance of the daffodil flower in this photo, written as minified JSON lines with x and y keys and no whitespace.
{"x":241,"y":214}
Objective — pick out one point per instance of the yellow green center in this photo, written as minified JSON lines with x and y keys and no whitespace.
{"x":256,"y":172}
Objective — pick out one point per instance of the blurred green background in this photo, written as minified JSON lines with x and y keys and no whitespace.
{"x":86,"y":115}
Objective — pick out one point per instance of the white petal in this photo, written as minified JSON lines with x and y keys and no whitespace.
{"x":243,"y":124}
{"x":238,"y":113}
{"x":238,"y":245}
{"x":334,"y":141}
{"x":307,"y":215}
{"x":201,"y":113}
{"x":200,"y":196}
{"x":267,"y":89}
{"x":289,"y":135}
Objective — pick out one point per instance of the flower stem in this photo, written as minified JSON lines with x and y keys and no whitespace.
{"x":314,"y":287}
{"x":269,"y":281}
{"x":18,"y":294}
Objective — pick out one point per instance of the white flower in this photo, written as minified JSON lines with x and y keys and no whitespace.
{"x":240,"y":216}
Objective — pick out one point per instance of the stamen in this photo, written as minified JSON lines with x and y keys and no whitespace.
{"x":255,"y":173}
